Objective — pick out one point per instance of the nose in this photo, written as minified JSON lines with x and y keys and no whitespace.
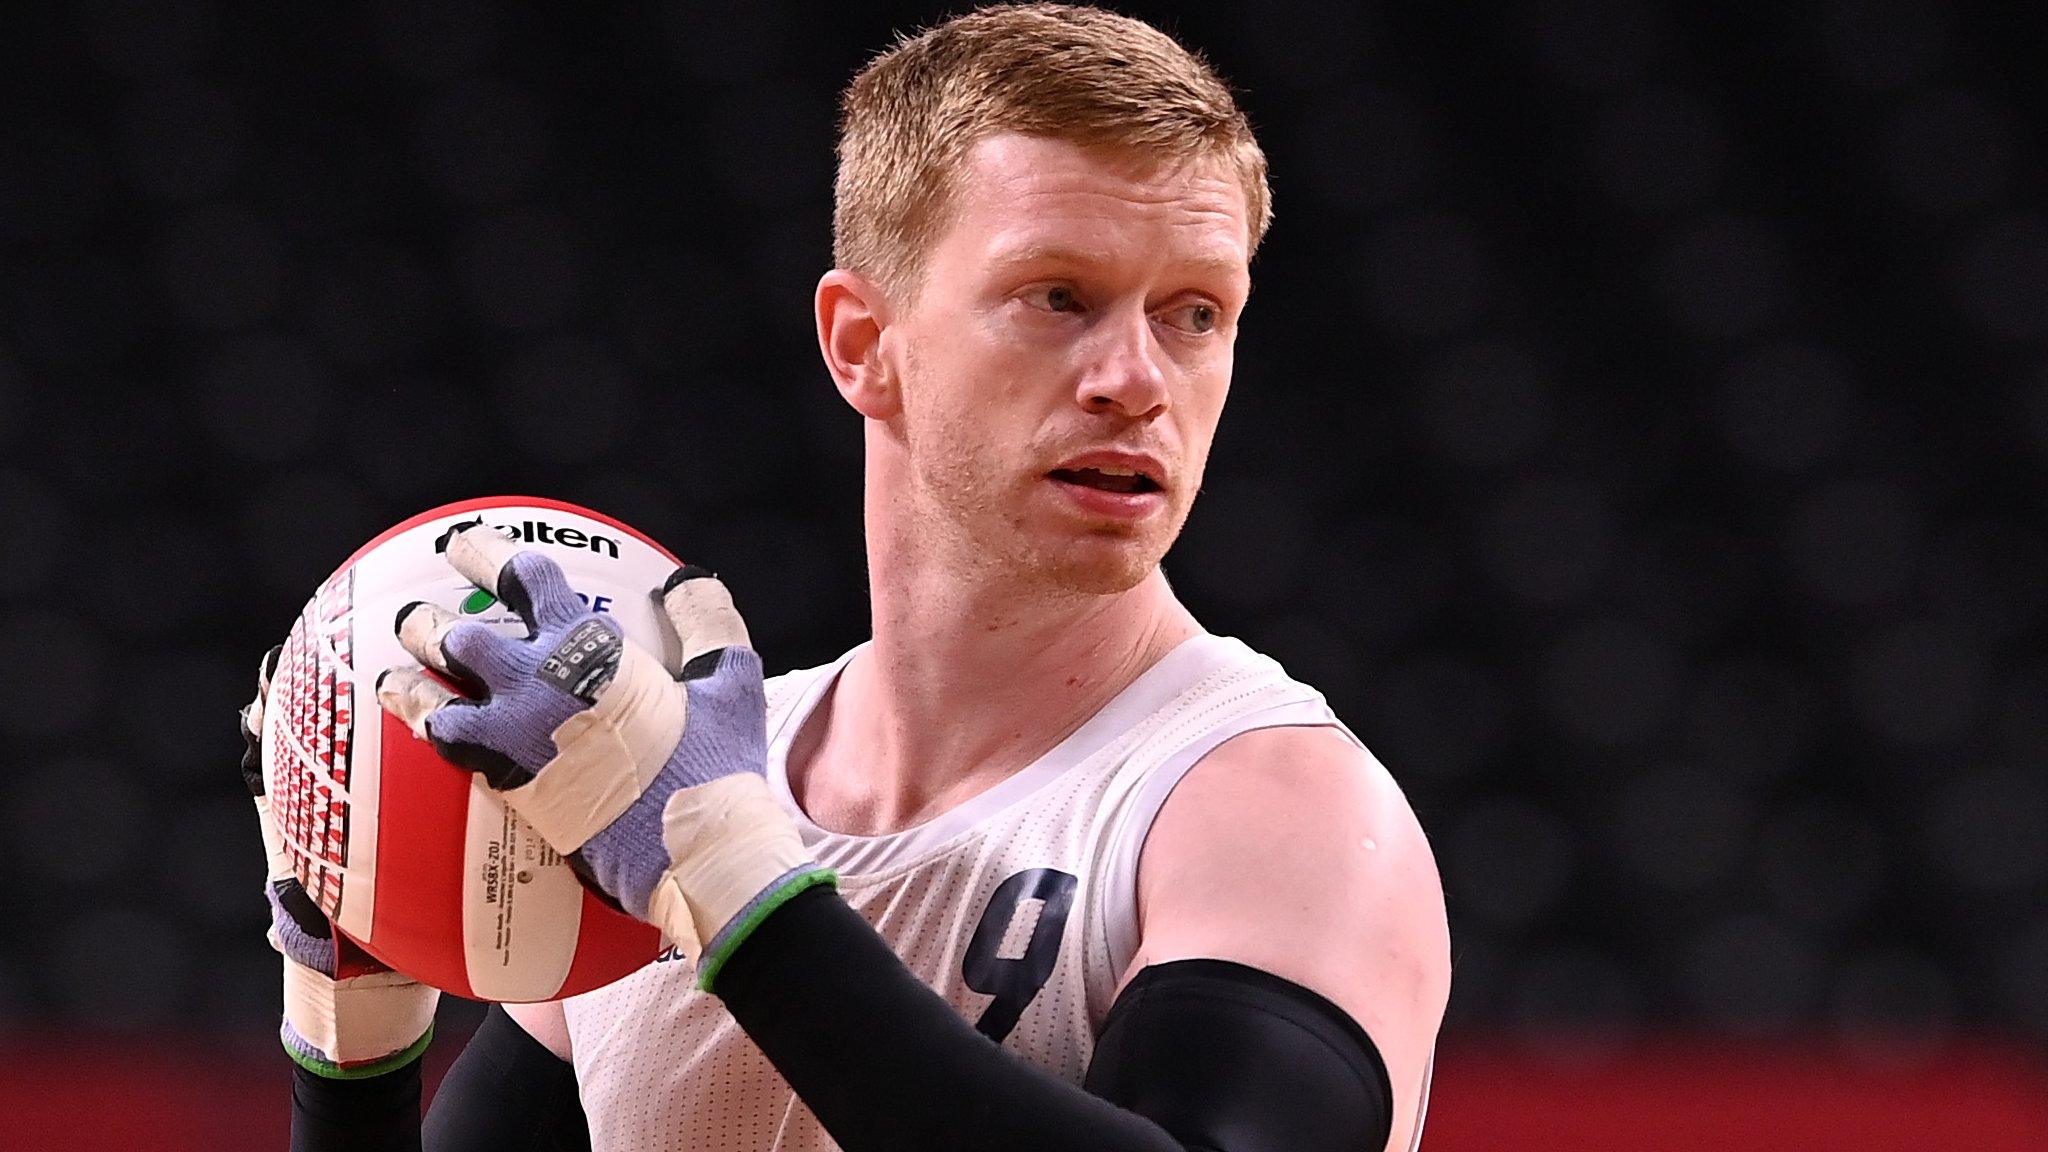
{"x":1125,"y":377}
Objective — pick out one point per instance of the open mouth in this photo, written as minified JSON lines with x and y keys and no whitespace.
{"x":1106,"y":480}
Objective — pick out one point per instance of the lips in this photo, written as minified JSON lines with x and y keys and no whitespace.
{"x":1111,"y":485}
{"x":1110,"y":471}
{"x":1105,"y":480}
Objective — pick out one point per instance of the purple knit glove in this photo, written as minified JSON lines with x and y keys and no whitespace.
{"x":587,"y":734}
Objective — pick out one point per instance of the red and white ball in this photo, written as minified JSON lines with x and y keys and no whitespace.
{"x":413,"y":858}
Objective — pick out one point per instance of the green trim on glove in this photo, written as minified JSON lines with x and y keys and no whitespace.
{"x":739,"y":930}
{"x":391,"y":1063}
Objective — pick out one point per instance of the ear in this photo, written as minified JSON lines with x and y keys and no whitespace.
{"x":852,"y":313}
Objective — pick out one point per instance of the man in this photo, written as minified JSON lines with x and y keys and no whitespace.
{"x":1043,"y":864}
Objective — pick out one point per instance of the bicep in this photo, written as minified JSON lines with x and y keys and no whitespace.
{"x":1289,"y":850}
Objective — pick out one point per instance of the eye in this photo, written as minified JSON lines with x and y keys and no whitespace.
{"x":1198,"y":317}
{"x":1054,"y":298}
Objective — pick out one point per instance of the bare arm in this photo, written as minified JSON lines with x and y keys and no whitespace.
{"x":1292,"y":851}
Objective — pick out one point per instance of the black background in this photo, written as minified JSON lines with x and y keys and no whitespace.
{"x":1639,"y":432}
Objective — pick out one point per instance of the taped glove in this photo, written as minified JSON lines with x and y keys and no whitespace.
{"x":650,"y":778}
{"x":346,"y":1016}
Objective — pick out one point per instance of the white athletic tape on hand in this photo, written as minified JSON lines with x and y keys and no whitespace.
{"x":422,"y":632}
{"x":273,"y":843}
{"x":360,"y":1019}
{"x":704,"y":618}
{"x":479,"y":552}
{"x":729,"y":840}
{"x":412,"y":697}
{"x":607,"y":755}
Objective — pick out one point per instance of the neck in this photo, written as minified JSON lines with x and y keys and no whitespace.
{"x":971,"y":676}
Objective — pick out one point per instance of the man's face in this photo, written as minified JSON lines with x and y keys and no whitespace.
{"x":1075,"y":324}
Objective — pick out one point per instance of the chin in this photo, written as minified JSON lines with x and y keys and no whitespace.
{"x":1099,"y":581}
{"x":1100,"y":568}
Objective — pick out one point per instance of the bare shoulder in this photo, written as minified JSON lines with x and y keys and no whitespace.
{"x":1284,"y":836}
{"x":1306,"y":779}
{"x":545,"y":1022}
{"x":1293,"y":850}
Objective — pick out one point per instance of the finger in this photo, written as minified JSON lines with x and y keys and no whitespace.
{"x":252,"y":715}
{"x":252,"y":750}
{"x":299,"y":929}
{"x":479,"y":551}
{"x":728,"y":680}
{"x":412,"y":696}
{"x":527,"y":582}
{"x":461,"y":733}
{"x":700,"y":608}
{"x":478,"y":654}
{"x":457,"y":727}
{"x":266,"y":669}
{"x":290,"y":897}
{"x":536,"y":588}
{"x":275,"y":852}
{"x":420,"y":627}
{"x":252,"y":722}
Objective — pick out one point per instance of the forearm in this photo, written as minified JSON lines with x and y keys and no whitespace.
{"x":885,"y":1063}
{"x":374,"y":1114}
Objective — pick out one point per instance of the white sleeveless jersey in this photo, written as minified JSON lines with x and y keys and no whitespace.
{"x":1018,"y":906}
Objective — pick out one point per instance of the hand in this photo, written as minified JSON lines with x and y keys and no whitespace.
{"x":651,"y":779}
{"x":346,"y":1016}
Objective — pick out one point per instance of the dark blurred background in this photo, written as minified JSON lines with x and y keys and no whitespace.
{"x":1639,"y":432}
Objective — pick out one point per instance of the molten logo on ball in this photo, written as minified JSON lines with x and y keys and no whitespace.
{"x":539,"y":532}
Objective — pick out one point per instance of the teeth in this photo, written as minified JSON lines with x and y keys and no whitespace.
{"x":1117,"y":471}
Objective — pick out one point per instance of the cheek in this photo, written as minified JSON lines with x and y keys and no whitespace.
{"x":953,"y":429}
{"x":959,"y":362}
{"x":1203,"y":409}
{"x":998,"y":386}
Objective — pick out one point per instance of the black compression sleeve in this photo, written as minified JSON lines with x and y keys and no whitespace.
{"x":374,"y":1114}
{"x":886,"y":1064}
{"x":1213,"y":1050}
{"x":507,"y":1093}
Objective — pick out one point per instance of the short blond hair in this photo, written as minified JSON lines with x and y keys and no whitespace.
{"x":1063,"y":71}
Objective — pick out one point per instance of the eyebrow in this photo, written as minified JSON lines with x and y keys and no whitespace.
{"x":1068,"y":254}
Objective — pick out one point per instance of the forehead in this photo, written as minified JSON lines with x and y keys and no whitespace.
{"x":1014,"y":193}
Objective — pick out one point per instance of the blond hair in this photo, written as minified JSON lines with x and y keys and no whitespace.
{"x":1073,"y":73}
